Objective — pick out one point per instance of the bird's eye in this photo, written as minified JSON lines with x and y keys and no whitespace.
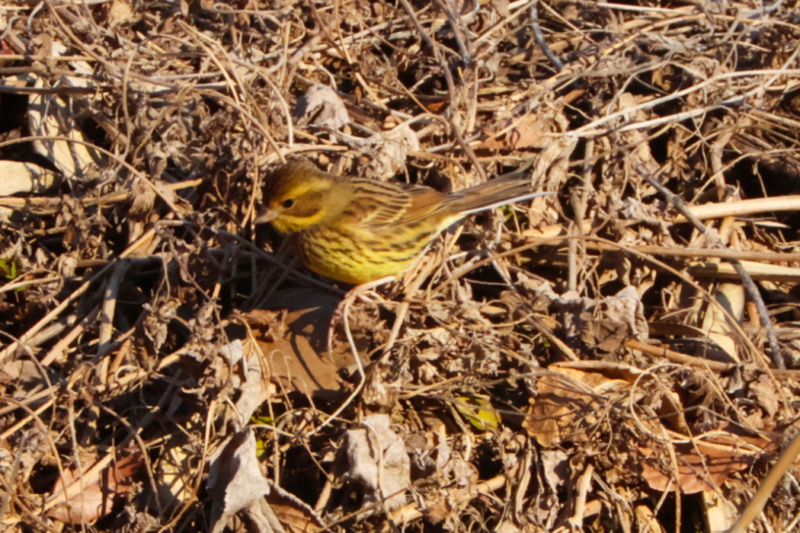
{"x":288,"y":203}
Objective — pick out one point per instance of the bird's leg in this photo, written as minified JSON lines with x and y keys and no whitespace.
{"x":340,"y":314}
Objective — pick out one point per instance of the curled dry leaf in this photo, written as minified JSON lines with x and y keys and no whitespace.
{"x":375,"y":457}
{"x":246,"y":378}
{"x":549,"y":171}
{"x":294,"y":515}
{"x":50,"y":116}
{"x":766,"y":395}
{"x":144,"y":198}
{"x":615,"y":320}
{"x":120,"y":12}
{"x":387,"y":154}
{"x":21,"y":178}
{"x":237,"y":484}
{"x":555,"y":468}
{"x":731,"y":299}
{"x":641,"y":155}
{"x":605,"y":324}
{"x":321,"y":106}
{"x":234,"y":478}
{"x":528,"y":131}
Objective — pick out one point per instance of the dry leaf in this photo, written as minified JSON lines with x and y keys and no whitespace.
{"x":564,"y":396}
{"x":294,"y":514}
{"x":174,"y":475}
{"x":321,"y":106}
{"x":614,"y":320}
{"x":703,"y":465}
{"x":120,"y":12}
{"x":478,"y":410}
{"x":99,"y":495}
{"x":387,"y":155}
{"x":767,"y":397}
{"x":294,"y":344}
{"x":19,"y":177}
{"x":376,"y":458}
{"x":246,"y":378}
{"x":234,"y":478}
{"x":527,"y":132}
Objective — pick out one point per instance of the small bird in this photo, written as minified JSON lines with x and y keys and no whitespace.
{"x":359,"y":230}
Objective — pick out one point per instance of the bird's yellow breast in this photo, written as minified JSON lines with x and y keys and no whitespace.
{"x":355,"y":255}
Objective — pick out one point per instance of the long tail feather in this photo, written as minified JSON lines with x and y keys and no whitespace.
{"x":494,"y":193}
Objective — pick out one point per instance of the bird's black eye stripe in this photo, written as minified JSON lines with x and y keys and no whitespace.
{"x":288,"y":203}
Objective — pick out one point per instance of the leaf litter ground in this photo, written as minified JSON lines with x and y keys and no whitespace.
{"x":617,"y":356}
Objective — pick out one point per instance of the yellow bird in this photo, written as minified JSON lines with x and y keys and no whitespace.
{"x":359,"y":230}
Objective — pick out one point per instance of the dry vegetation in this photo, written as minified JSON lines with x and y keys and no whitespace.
{"x":616,"y":356}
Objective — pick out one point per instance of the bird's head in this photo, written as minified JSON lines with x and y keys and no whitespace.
{"x":297,"y":196}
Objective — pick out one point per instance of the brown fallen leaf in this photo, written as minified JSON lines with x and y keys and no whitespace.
{"x":566,"y":395}
{"x":703,"y":465}
{"x":375,"y":457}
{"x":294,"y":344}
{"x":527,"y":132}
{"x":234,"y":479}
{"x":98,"y":496}
{"x":386,"y":153}
{"x":294,"y":515}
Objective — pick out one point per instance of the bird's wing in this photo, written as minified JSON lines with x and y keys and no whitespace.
{"x":376,"y":204}
{"x":445,"y":209}
{"x":424,"y":202}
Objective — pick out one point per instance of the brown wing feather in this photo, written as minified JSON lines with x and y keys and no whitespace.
{"x":424,"y":203}
{"x":451,"y":207}
{"x":377,"y":205}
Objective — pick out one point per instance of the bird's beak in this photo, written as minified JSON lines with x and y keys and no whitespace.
{"x":266,"y":215}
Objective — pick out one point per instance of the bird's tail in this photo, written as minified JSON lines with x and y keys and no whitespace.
{"x":493,"y":193}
